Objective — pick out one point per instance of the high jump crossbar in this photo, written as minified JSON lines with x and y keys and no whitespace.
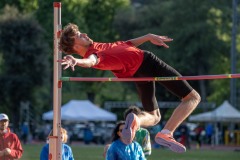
{"x":113,"y":79}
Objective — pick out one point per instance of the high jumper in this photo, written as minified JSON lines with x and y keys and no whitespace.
{"x":126,"y":60}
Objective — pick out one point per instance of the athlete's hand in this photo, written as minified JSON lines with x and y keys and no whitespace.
{"x":7,"y":151}
{"x":160,"y":40}
{"x":68,"y":61}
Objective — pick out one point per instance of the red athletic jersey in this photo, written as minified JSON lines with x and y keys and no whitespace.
{"x":122,"y":58}
{"x":10,"y":140}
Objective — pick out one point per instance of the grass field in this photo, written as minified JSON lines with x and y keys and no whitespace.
{"x":82,"y":152}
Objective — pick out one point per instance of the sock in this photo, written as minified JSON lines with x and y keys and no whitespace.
{"x":165,"y":131}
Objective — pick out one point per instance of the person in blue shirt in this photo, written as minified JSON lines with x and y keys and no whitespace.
{"x":25,"y":132}
{"x":66,"y":150}
{"x":209,"y":132}
{"x":121,"y":151}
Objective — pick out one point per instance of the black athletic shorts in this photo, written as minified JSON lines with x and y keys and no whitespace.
{"x":152,"y":66}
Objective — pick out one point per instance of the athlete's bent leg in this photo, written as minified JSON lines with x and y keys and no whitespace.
{"x":185,"y":108}
{"x":151,"y":118}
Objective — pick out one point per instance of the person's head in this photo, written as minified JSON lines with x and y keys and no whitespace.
{"x":117,"y":132}
{"x":64,"y":135}
{"x":4,"y":122}
{"x":134,"y":109}
{"x":105,"y":150}
{"x":72,"y":40}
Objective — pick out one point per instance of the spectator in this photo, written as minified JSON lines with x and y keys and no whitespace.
{"x":142,"y":134}
{"x":105,"y":150}
{"x":66,"y":150}
{"x":25,"y":132}
{"x":185,"y":135}
{"x":10,"y":146}
{"x":87,"y":135}
{"x":198,"y":130}
{"x":209,"y":133}
{"x":119,"y":150}
{"x":153,"y":131}
{"x":143,"y":138}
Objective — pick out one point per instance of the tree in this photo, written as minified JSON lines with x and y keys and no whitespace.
{"x":24,"y":6}
{"x":25,"y":66}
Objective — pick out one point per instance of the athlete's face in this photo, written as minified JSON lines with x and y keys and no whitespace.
{"x":83,"y":40}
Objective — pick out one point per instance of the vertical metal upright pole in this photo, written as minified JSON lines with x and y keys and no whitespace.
{"x":55,"y":142}
{"x":233,"y":89}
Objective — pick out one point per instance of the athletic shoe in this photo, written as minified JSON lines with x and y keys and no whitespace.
{"x":132,"y":124}
{"x":167,"y":140}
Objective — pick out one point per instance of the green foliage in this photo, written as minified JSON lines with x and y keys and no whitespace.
{"x":24,"y":6}
{"x":99,"y":16}
{"x":25,"y":67}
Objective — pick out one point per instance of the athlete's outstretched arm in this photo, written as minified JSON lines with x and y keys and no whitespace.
{"x":70,"y":61}
{"x":155,"y":39}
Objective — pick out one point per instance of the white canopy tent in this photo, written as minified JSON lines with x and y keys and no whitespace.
{"x":82,"y":110}
{"x":224,"y":113}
